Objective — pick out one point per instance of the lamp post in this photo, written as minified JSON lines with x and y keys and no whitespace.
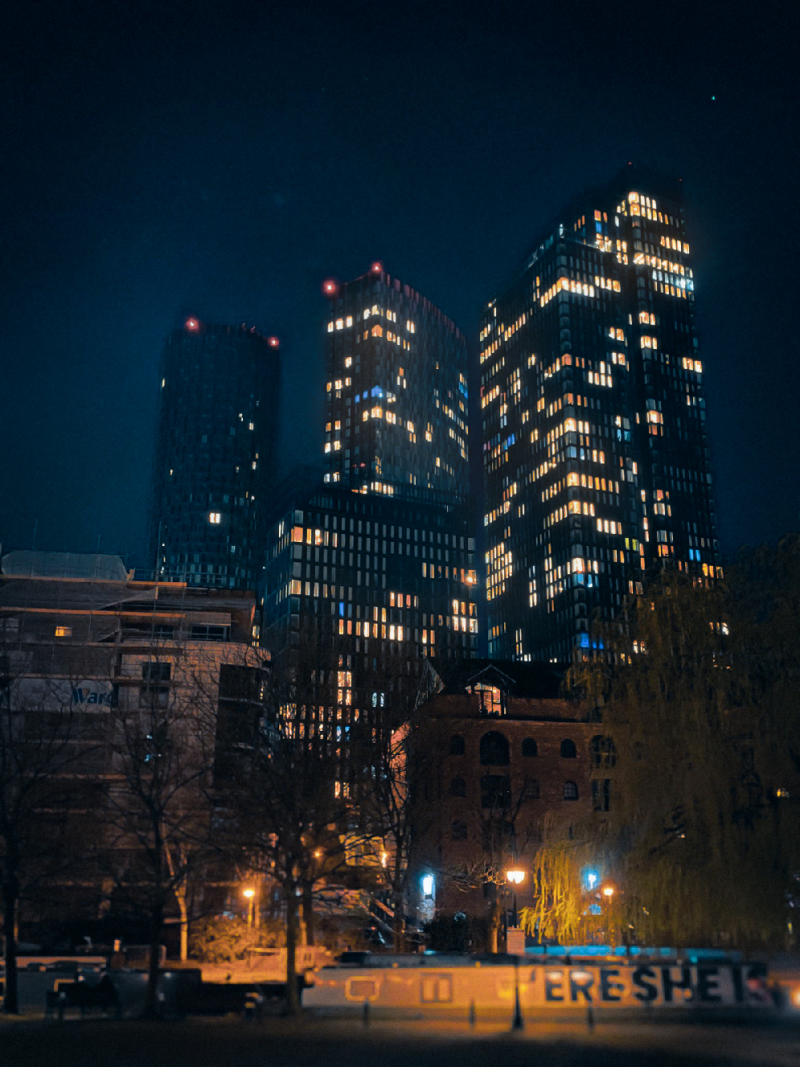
{"x":516,"y":877}
{"x":608,"y":892}
{"x":249,"y":894}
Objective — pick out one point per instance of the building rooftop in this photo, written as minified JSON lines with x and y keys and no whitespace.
{"x":25,"y":564}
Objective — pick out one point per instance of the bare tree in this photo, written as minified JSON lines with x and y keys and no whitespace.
{"x":290,"y":806}
{"x":505,"y":835}
{"x":159,"y":825}
{"x":45,"y":743}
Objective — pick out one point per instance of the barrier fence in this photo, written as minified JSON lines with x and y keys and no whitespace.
{"x":491,"y":988}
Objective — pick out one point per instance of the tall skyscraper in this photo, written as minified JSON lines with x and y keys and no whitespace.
{"x":216,"y":444}
{"x":595,"y":457}
{"x":397,"y":392}
{"x":373,"y":569}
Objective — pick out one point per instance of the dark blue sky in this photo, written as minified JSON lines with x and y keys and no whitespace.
{"x":224,"y":158}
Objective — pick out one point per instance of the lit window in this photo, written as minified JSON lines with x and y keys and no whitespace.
{"x":63,"y":631}
{"x":215,"y":518}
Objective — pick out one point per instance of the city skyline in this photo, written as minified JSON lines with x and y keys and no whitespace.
{"x":260,"y":154}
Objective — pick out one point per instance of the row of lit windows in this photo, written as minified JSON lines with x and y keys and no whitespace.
{"x":599,"y":378}
{"x":677,"y":246}
{"x":567,"y":285}
{"x":606,"y":283}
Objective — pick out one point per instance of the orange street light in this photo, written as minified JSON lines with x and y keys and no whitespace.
{"x":249,"y":894}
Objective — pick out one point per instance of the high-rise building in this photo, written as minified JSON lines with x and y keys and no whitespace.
{"x":373,"y":569}
{"x":396,"y":390}
{"x":596,"y":464}
{"x":216,"y":444}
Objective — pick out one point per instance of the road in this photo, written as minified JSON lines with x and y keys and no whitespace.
{"x":230,"y":1042}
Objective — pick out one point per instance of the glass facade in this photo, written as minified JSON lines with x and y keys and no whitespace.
{"x":397,"y":392}
{"x":375,"y":569}
{"x":216,"y":444}
{"x":594,"y":445}
{"x":359,"y":589}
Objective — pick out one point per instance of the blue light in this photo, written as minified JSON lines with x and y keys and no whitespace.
{"x":591,"y":877}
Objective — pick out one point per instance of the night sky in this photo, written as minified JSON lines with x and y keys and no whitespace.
{"x":223,"y":159}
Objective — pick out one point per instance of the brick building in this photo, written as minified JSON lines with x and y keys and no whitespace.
{"x":506,"y":757}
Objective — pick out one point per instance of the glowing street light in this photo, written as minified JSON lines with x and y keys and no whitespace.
{"x":608,"y":891}
{"x":516,"y":877}
{"x":249,"y":894}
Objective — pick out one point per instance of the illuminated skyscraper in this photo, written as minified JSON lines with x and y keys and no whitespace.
{"x":397,"y":392}
{"x":594,"y":444}
{"x":373,"y":569}
{"x":216,"y":442}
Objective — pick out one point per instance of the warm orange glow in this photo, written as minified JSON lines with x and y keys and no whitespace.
{"x":273,"y":342}
{"x":192,"y":324}
{"x":249,"y":893}
{"x":376,"y":267}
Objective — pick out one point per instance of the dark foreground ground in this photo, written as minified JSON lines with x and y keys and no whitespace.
{"x":229,"y":1042}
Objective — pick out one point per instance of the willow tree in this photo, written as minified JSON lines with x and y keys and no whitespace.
{"x":560,"y":904}
{"x":695,"y":844}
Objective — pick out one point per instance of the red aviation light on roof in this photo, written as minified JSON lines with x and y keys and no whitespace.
{"x":330,"y":287}
{"x":273,"y":342}
{"x":192,"y":324}
{"x":376,"y":267}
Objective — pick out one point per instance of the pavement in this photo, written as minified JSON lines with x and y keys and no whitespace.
{"x":305,"y":1042}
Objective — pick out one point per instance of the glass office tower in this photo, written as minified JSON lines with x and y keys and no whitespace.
{"x":596,"y":464}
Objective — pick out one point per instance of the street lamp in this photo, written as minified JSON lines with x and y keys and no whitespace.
{"x":249,"y":895}
{"x":515,"y":877}
{"x":608,"y":893}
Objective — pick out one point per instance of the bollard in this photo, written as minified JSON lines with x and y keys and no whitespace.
{"x":62,"y":1003}
{"x":366,"y":1013}
{"x":517,"y":1023}
{"x":589,"y":1017}
{"x":472,"y":1016}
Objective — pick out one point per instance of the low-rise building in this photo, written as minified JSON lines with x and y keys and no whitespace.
{"x":507,"y":759}
{"x":116,"y":694}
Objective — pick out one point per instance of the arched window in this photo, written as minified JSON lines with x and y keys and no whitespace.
{"x":568,"y":750}
{"x":458,"y":831}
{"x":494,"y":749}
{"x":458,"y":788}
{"x":570,"y":791}
{"x":529,"y":747}
{"x":530,"y":789}
{"x":604,"y":751}
{"x":456,"y":745}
